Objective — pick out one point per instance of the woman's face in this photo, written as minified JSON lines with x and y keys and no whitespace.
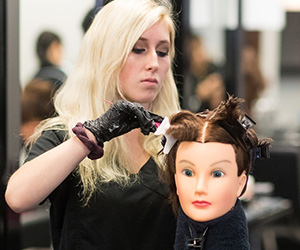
{"x":206,"y":179}
{"x":147,"y":65}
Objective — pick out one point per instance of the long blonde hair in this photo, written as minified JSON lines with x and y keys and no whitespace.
{"x":95,"y":78}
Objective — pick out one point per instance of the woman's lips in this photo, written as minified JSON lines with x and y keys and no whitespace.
{"x":150,"y":80}
{"x":201,"y":203}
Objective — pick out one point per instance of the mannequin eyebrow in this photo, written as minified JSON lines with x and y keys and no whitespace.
{"x":186,"y":161}
{"x":213,"y":164}
{"x":221,"y":161}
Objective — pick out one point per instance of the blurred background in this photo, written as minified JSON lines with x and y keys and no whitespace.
{"x":249,"y":48}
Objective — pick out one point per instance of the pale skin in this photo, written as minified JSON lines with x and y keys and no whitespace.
{"x":54,"y":53}
{"x":207,"y":179}
{"x":141,"y":79}
{"x":152,"y":53}
{"x":211,"y":89}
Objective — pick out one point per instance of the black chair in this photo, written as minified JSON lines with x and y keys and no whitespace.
{"x":283,"y":170}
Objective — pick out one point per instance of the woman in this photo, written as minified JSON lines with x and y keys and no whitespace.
{"x":117,"y":201}
{"x":208,"y":167}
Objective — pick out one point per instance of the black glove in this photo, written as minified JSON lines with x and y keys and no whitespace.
{"x":122,"y":117}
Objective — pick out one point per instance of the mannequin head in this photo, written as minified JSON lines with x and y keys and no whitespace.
{"x":209,"y":164}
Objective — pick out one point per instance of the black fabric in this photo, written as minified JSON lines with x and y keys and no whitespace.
{"x":229,"y":232}
{"x":52,"y":74}
{"x":130,"y":218}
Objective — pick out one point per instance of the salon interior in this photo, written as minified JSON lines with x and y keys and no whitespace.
{"x":263,"y":33}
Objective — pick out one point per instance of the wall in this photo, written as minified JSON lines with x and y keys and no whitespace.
{"x":63,"y":17}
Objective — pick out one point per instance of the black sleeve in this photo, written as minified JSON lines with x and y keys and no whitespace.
{"x":48,"y":140}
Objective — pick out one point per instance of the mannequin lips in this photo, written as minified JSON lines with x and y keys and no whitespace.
{"x":201,"y":203}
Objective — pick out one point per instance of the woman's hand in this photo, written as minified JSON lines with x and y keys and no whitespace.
{"x":122,"y":117}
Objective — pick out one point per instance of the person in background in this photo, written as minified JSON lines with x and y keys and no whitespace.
{"x":209,"y":157}
{"x":204,"y":78}
{"x":255,"y":83}
{"x":88,"y":19}
{"x":96,"y":161}
{"x":49,"y":51}
{"x":36,"y":105}
{"x":90,"y":15}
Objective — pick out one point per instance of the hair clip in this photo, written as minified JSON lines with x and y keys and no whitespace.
{"x":246,"y":122}
{"x":237,"y":131}
{"x":262,"y":152}
{"x":169,"y":140}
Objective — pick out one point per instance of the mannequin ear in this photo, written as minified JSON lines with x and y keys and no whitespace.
{"x":242,"y":182}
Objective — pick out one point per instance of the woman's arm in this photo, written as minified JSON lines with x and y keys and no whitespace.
{"x":36,"y":179}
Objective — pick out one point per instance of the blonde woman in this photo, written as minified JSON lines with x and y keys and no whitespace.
{"x":117,"y":200}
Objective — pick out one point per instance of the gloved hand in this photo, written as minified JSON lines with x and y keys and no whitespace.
{"x":122,"y":117}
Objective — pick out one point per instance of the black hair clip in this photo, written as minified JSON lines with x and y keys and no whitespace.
{"x":261,"y":152}
{"x":246,"y":122}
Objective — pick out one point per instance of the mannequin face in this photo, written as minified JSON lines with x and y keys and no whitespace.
{"x":206,"y":179}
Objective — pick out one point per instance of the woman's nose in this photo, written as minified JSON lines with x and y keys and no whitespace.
{"x":152,"y":61}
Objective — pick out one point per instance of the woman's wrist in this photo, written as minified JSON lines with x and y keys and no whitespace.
{"x":89,"y":140}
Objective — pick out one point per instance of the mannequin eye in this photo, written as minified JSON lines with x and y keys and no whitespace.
{"x":217,"y":174}
{"x":187,"y":172}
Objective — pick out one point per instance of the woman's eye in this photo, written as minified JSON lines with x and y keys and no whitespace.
{"x":218,"y":174}
{"x":187,"y":172}
{"x":138,"y":51}
{"x":162,"y":54}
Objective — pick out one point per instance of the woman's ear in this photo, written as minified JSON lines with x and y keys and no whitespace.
{"x":242,"y":182}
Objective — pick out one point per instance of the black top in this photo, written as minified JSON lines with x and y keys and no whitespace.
{"x":134,"y":217}
{"x":228,"y":232}
{"x":53,"y":74}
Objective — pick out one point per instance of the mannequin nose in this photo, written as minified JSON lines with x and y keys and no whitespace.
{"x":201,"y":186}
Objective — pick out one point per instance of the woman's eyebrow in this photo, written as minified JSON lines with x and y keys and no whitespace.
{"x":143,"y":39}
